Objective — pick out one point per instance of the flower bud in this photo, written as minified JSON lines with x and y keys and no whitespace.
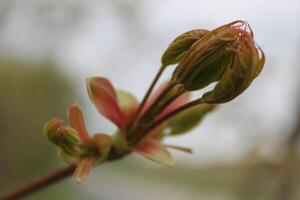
{"x":245,"y":66}
{"x":227,"y":55}
{"x":178,"y":47}
{"x":64,"y":137}
{"x":206,"y":60}
{"x":51,"y":127}
{"x":69,"y":140}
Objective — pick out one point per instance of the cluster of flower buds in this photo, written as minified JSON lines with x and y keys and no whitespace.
{"x":75,"y":145}
{"x":227,"y":56}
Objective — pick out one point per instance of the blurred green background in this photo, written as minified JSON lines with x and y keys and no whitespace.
{"x":248,"y":149}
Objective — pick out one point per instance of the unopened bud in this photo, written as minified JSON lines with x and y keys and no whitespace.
{"x":245,"y":66}
{"x":65,"y":137}
{"x":227,"y":55}
{"x":50,"y":128}
{"x":178,"y":47}
{"x":205,"y":61}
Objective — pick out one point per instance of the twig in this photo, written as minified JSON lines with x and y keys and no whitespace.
{"x":39,"y":183}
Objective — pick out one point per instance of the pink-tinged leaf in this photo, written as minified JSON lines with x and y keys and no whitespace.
{"x":156,"y":134}
{"x":128,"y":105}
{"x":179,"y":148}
{"x":77,"y":122}
{"x":104,"y":97}
{"x":156,"y":152}
{"x":180,"y":101}
{"x":83,"y":168}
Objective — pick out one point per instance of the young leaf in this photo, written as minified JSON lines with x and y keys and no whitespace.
{"x":77,"y":122}
{"x":156,"y":152}
{"x":83,"y":168}
{"x":178,"y":47}
{"x":128,"y":105}
{"x":188,"y":119}
{"x":103,"y":95}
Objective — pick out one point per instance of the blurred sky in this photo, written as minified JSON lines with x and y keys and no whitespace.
{"x":123,"y":40}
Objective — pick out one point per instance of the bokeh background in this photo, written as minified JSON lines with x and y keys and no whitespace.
{"x":247,"y":149}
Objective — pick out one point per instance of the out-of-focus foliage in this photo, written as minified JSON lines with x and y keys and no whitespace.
{"x":29,"y":95}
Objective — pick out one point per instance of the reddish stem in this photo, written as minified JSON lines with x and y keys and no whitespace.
{"x":39,"y":183}
{"x":170,"y":115}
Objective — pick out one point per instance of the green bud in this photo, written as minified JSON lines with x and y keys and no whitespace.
{"x":51,"y":127}
{"x":64,"y":137}
{"x":245,"y":66}
{"x":206,"y":60}
{"x":98,"y":146}
{"x":178,"y":47}
{"x":227,"y":55}
{"x":69,"y":140}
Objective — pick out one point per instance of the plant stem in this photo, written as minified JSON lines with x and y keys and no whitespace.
{"x":141,"y":106}
{"x":39,"y":183}
{"x":170,"y":115}
{"x":163,"y":94}
{"x":152,"y":111}
{"x":52,"y":177}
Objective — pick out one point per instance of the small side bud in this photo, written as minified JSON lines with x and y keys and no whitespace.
{"x":69,"y":140}
{"x":178,"y":47}
{"x":50,"y":128}
{"x":64,"y":137}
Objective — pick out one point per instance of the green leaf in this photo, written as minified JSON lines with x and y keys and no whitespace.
{"x":188,"y":119}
